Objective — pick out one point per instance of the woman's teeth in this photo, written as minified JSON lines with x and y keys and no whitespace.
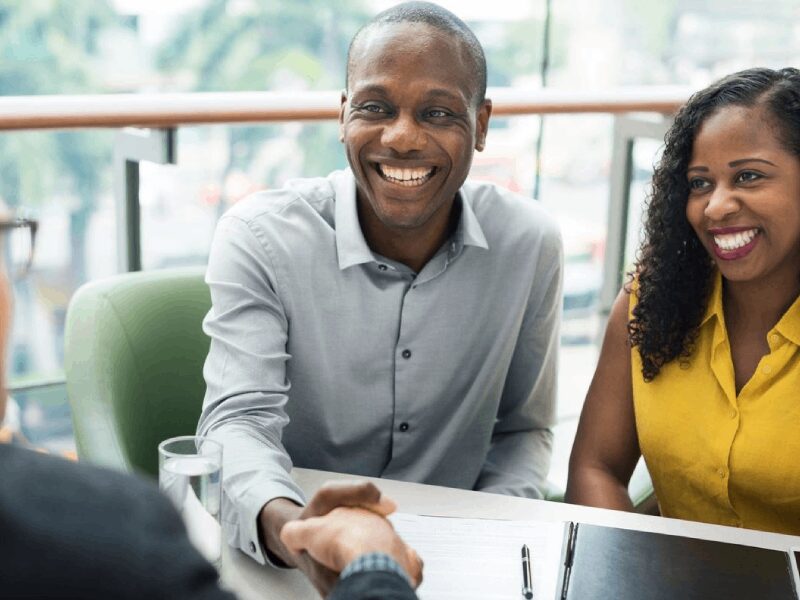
{"x":733,"y":241}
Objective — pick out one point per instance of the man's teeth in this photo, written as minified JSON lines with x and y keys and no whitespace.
{"x":406,"y":177}
{"x":732,"y":241}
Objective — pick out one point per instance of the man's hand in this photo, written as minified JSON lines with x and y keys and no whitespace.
{"x":344,"y":534}
{"x":280,"y":511}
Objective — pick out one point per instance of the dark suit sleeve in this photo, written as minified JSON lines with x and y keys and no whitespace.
{"x":72,"y":531}
{"x":373,"y":585}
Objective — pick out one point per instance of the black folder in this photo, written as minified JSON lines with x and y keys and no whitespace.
{"x":606,"y":562}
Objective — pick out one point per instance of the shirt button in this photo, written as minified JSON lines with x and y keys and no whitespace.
{"x":406,"y":354}
{"x":767,"y":369}
{"x":253,"y":547}
{"x":382,"y":267}
{"x":403,"y":426}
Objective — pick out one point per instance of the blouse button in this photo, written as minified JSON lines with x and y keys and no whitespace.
{"x":775,"y":338}
{"x":721,"y":473}
{"x":767,"y":369}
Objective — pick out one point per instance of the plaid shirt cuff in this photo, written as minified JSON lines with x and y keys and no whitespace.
{"x":374,"y":561}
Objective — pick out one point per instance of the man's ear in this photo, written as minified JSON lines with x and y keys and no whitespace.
{"x":342,"y":108}
{"x":482,"y":118}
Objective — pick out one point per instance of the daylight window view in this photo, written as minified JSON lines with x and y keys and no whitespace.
{"x":70,"y":180}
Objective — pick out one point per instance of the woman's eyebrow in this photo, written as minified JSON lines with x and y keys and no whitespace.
{"x":736,"y":163}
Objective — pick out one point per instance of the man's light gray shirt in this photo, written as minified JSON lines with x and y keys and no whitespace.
{"x":346,"y":361}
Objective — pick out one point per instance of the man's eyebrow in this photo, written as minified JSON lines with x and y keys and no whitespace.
{"x":438,"y":93}
{"x":736,"y":163}
{"x":370,"y":89}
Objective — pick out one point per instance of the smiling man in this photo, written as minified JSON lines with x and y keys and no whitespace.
{"x":391,"y":320}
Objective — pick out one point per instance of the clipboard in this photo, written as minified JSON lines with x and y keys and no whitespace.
{"x":607,"y":562}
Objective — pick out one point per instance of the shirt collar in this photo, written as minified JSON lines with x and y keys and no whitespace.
{"x":469,"y":231}
{"x":714,"y":304}
{"x":352,"y":248}
{"x":788,"y":325}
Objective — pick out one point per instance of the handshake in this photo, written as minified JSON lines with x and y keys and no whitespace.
{"x":341,"y":522}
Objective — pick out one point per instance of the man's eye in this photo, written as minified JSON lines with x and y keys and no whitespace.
{"x":438,"y":113}
{"x":697,"y":184}
{"x":372,"y":108}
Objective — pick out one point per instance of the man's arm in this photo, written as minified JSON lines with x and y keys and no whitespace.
{"x":246,"y":382}
{"x":364,"y":548}
{"x":330,"y":496}
{"x":522,"y":441}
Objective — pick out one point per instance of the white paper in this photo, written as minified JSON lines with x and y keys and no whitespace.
{"x":478,"y":559}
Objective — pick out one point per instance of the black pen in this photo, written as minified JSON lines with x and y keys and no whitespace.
{"x":527,"y":578}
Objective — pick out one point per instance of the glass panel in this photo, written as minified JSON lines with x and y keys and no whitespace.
{"x":646,"y":153}
{"x":218,"y":166}
{"x":42,"y":417}
{"x":62,"y":179}
{"x":224,"y":45}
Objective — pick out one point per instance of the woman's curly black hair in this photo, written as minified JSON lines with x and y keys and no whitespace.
{"x":674,"y":271}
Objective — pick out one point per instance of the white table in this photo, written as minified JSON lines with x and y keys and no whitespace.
{"x":251,"y":581}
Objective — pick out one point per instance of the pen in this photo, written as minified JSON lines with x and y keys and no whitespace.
{"x":527,"y":579}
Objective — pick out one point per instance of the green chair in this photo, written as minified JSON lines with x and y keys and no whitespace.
{"x":134,"y":354}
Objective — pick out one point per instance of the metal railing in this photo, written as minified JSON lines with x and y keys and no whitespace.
{"x":174,"y":110}
{"x":148,"y":124}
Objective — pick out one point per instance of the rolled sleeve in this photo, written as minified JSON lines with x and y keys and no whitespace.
{"x":245,"y":373}
{"x":522,"y":438}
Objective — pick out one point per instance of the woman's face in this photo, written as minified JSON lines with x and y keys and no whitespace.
{"x":744,"y":196}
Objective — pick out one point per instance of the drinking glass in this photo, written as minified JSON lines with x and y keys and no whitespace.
{"x":190,"y":474}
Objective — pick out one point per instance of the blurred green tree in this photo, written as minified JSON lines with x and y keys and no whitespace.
{"x":52,"y":47}
{"x":245,"y":45}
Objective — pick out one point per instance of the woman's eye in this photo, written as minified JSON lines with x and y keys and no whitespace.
{"x":747,"y":176}
{"x":697,"y":184}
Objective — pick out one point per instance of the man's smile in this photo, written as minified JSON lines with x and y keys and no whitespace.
{"x":406,"y":177}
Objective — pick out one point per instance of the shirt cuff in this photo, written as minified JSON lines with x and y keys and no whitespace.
{"x":374,"y":561}
{"x":257,"y":498}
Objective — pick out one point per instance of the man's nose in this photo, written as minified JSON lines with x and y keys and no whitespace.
{"x":403,"y":134}
{"x":722,"y":203}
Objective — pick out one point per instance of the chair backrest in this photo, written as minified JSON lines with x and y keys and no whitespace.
{"x":134,"y":364}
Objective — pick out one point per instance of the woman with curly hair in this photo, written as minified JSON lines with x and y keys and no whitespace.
{"x":700,"y":366}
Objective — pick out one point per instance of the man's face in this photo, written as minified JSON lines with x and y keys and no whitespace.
{"x":410,"y":124}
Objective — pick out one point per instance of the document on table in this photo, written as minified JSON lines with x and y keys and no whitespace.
{"x":481,"y":558}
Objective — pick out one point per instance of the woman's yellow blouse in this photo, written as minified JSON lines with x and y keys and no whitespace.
{"x":715,"y":456}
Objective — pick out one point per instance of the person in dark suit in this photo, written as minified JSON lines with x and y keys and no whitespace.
{"x":69,"y":530}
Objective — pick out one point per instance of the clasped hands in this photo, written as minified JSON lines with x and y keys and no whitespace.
{"x":341,"y":522}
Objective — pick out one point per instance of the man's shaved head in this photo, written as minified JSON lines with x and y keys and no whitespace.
{"x":435,"y":16}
